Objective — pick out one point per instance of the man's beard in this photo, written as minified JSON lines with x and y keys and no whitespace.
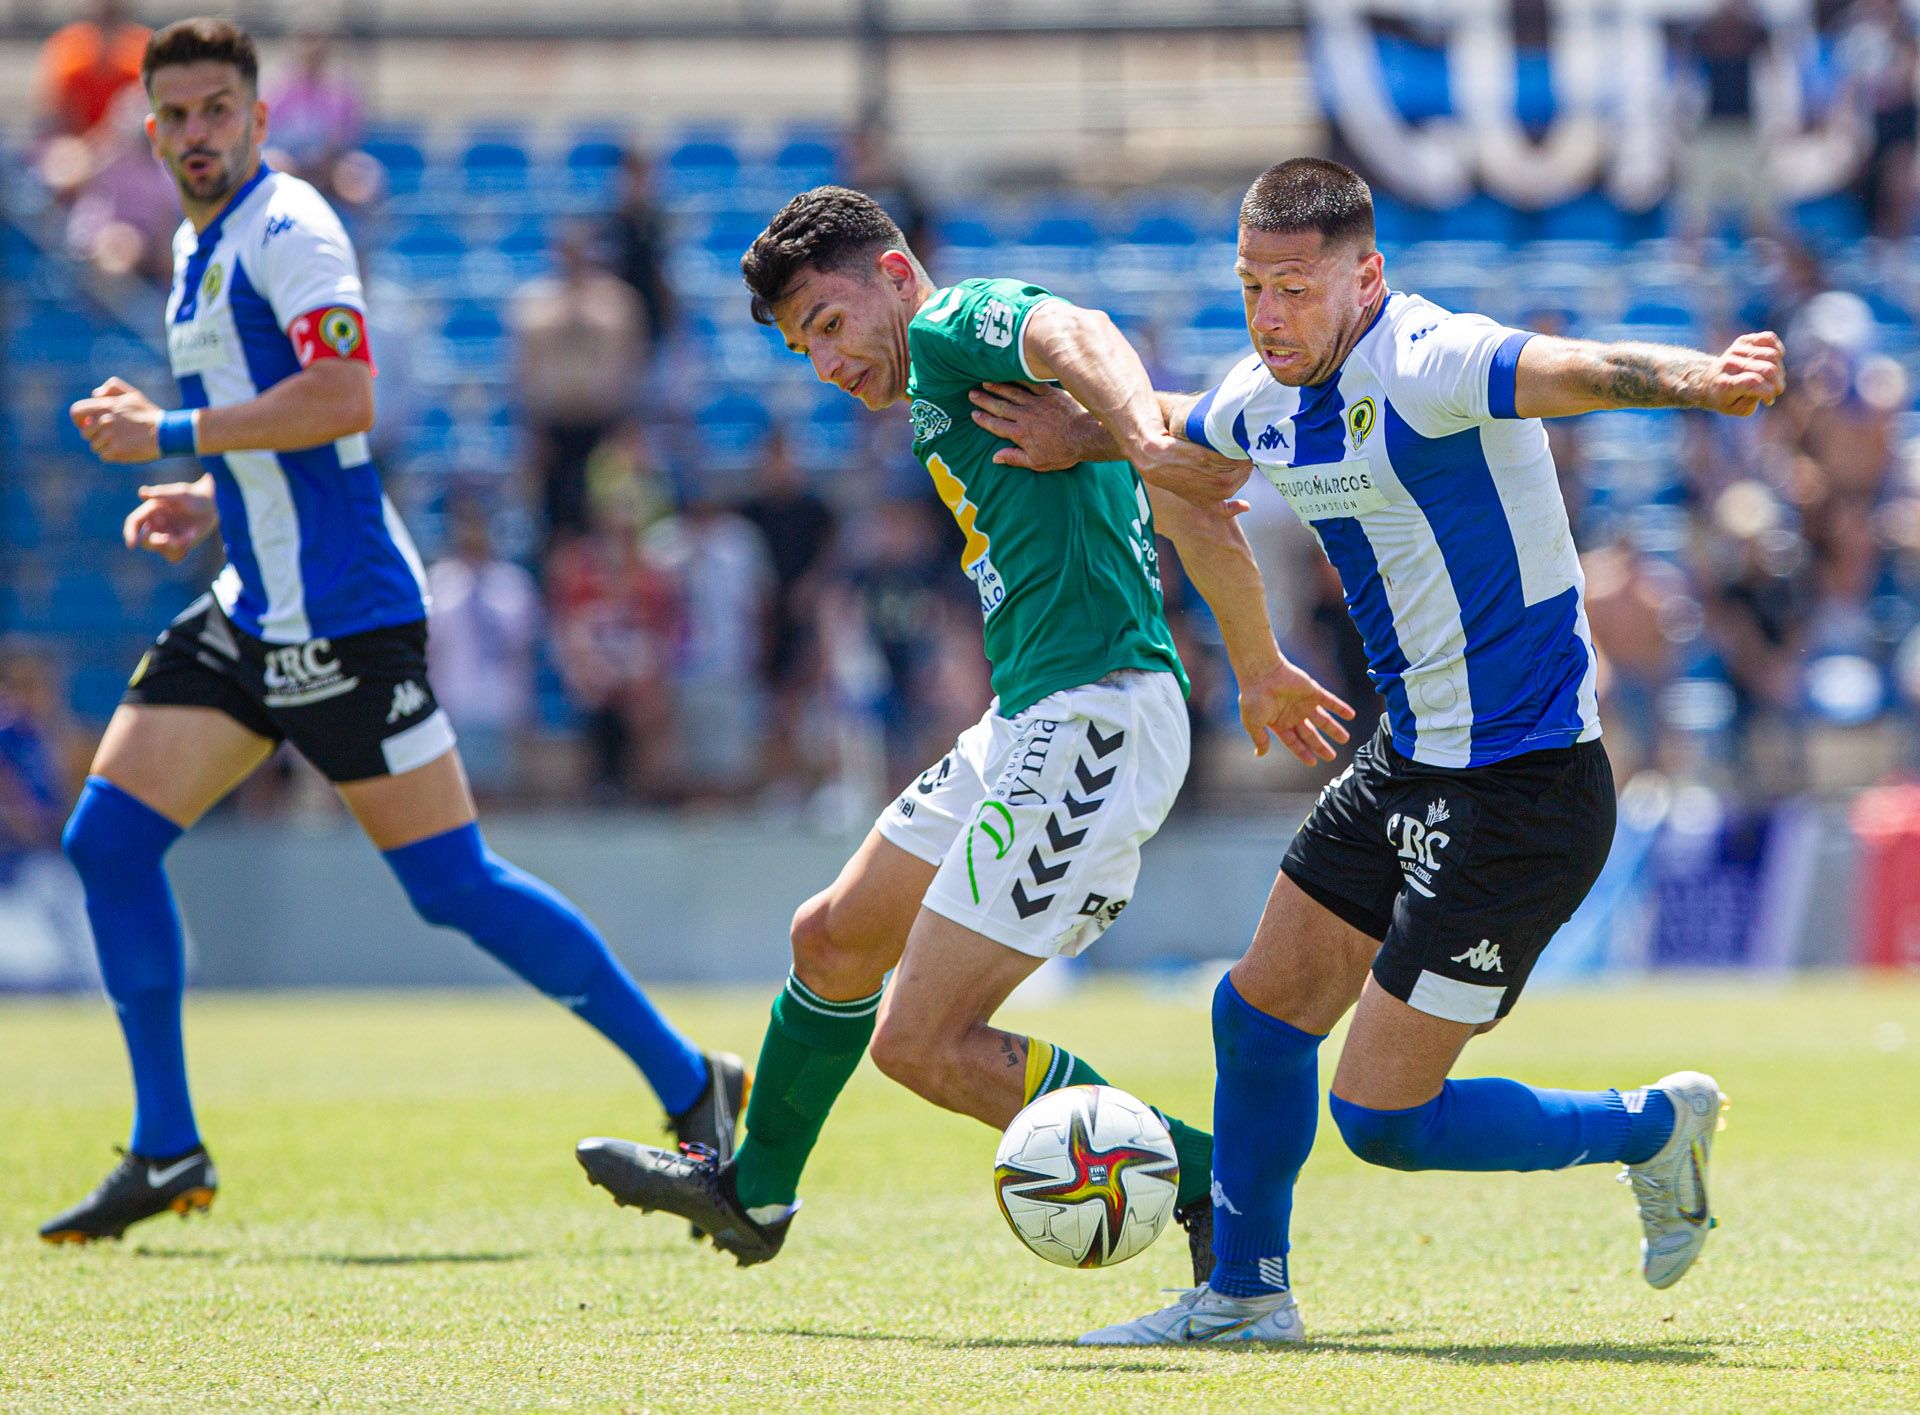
{"x":220,"y":182}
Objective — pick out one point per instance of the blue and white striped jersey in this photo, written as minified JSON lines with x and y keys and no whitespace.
{"x":314,"y":548}
{"x":1441,"y":511}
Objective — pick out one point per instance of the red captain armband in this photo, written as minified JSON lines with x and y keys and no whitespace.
{"x":333,"y":332}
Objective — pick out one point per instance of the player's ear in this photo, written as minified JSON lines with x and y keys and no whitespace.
{"x":897,"y":267}
{"x":260,"y":121}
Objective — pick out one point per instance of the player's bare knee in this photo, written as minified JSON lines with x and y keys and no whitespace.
{"x":829,"y":959}
{"x":903,"y":1053}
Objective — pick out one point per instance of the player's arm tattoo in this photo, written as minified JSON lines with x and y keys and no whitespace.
{"x":1561,"y":377}
{"x":1652,"y":376}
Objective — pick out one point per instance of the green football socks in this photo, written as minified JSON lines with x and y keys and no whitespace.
{"x":1050,"y":1067}
{"x":811,"y":1049}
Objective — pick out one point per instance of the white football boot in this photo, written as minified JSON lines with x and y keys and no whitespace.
{"x":1671,"y":1187}
{"x":1203,"y":1315}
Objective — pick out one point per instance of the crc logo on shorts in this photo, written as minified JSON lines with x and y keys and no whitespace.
{"x":298,"y":674}
{"x":1419,"y":843}
{"x":339,"y":330}
{"x":929,"y":420}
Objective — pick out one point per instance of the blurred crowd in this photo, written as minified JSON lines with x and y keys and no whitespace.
{"x":626,"y":619}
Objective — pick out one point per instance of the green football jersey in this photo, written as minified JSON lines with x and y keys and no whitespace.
{"x":1065,"y":562}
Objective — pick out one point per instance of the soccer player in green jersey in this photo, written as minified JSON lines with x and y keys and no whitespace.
{"x":1023,"y":842}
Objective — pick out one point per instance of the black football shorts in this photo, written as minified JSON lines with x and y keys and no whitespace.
{"x":357,"y":707}
{"x":1463,"y":874}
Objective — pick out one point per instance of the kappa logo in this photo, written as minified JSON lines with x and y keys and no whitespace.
{"x":1220,"y":1199}
{"x":1271,"y":438}
{"x":1437,"y":812}
{"x":408,"y":698}
{"x":1484,"y":955}
{"x":929,"y":420}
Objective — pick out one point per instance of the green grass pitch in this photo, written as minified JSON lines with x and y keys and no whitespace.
{"x":402,"y":1226}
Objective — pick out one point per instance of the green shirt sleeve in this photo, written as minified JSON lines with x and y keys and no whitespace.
{"x":971,"y":333}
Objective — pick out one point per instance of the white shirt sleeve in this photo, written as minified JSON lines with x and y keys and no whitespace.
{"x":305,"y":260}
{"x":1218,"y":419}
{"x":1452,"y":371}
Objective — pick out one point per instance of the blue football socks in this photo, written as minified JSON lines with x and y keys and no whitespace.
{"x":1266,"y":1105}
{"x":454,"y":880}
{"x":116,"y":845}
{"x":1492,"y":1124}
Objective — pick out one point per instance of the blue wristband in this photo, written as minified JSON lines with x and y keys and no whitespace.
{"x":176,"y":434}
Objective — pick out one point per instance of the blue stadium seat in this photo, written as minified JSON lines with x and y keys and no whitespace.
{"x":1836,"y":219}
{"x":1163,"y":227}
{"x":400,"y":153}
{"x":965,"y":231}
{"x":831,"y":436}
{"x":1068,"y":227}
{"x":428,"y":254}
{"x":1479,"y":218}
{"x":729,"y":233}
{"x":731,"y":431}
{"x":806,"y":160}
{"x":702,"y":166}
{"x":476,"y":338}
{"x":495,"y":164}
{"x":592,"y":164}
{"x":1590,"y":217}
{"x":526,"y":247}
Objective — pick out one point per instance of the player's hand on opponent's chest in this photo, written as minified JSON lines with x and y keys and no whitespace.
{"x":120,"y":422}
{"x":1050,"y":432}
{"x":171,"y":519}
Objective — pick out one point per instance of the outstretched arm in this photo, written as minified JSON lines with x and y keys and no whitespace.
{"x":1277,"y":698}
{"x":1085,"y":351}
{"x":1050,"y":430}
{"x":1557,"y":378}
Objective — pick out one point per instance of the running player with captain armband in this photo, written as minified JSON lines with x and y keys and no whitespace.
{"x":314,"y":633}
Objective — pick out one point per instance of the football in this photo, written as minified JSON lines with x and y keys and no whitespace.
{"x":1086,"y":1176}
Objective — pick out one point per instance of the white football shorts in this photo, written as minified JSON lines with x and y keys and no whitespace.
{"x":1036,"y":821}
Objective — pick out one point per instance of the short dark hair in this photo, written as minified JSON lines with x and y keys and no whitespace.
{"x":201,"y":38}
{"x":1311,"y":194}
{"x":827,"y":228}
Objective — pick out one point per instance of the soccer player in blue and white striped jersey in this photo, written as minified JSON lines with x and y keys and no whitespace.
{"x":314,"y":633}
{"x":1435,"y":869}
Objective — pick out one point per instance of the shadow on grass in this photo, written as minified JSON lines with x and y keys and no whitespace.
{"x":1678,"y":1351}
{"x":944,"y":1343}
{"x":338,"y":1260}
